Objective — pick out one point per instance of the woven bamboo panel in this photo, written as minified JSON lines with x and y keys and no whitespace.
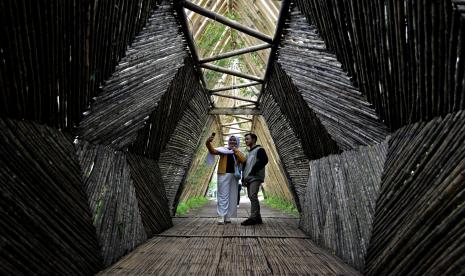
{"x":46,"y":225}
{"x":151,"y":195}
{"x":200,"y":173}
{"x":112,"y":199}
{"x":339,"y":204}
{"x":55,"y":54}
{"x":177,"y":156}
{"x":418,"y":227}
{"x":138,"y":83}
{"x":288,"y":146}
{"x":306,"y":125}
{"x":406,"y":56}
{"x":328,"y":91}
{"x":161,"y":124}
{"x":276,"y":182}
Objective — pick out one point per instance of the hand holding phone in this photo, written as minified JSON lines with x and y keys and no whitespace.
{"x":210,"y":139}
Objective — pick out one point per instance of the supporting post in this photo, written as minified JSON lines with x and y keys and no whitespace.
{"x":236,"y":52}
{"x":226,"y":21}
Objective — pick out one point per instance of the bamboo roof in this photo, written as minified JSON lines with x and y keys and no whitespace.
{"x":212,"y":38}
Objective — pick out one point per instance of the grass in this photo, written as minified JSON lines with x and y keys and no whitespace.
{"x":281,"y":204}
{"x":191,"y":203}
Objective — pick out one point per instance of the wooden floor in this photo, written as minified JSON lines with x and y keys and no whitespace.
{"x":196,"y":245}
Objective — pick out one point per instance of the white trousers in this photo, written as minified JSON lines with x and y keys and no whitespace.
{"x":227,"y":195}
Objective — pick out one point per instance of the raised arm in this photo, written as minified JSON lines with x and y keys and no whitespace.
{"x":210,"y":147}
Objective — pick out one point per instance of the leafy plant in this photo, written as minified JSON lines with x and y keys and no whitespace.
{"x":192,"y":203}
{"x":281,"y":204}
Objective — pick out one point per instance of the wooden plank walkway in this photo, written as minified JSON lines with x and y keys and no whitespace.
{"x":196,"y":245}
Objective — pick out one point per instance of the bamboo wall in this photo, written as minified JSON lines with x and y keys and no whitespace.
{"x":276,"y":182}
{"x":418,"y":227}
{"x":46,"y":223}
{"x":161,"y":124}
{"x":200,"y":173}
{"x":137,"y":84}
{"x":305,"y":123}
{"x":55,"y":54}
{"x":288,"y":146}
{"x":406,"y":58}
{"x":118,"y":199}
{"x":401,"y":54}
{"x":347,"y":116}
{"x":176,"y":157}
{"x":126,"y":198}
{"x":339,"y":204}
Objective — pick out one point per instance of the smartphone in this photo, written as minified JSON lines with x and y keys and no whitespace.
{"x":213,"y":134}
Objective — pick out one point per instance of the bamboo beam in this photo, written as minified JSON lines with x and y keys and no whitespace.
{"x":226,"y":21}
{"x":234,"y":111}
{"x":231,"y":72}
{"x":243,"y":118}
{"x":247,"y":105}
{"x":283,"y":13}
{"x":191,"y":43}
{"x":235,"y":133}
{"x":236,"y":128}
{"x":235,"y":98}
{"x":236,"y":123}
{"x":236,"y":52}
{"x":234,"y":87}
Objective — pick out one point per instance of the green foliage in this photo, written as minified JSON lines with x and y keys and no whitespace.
{"x":281,"y":204}
{"x":191,"y":203}
{"x":211,"y":35}
{"x":257,"y":60}
{"x":233,"y":16}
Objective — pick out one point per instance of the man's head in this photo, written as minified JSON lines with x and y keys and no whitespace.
{"x":232,"y":142}
{"x":250,"y":139}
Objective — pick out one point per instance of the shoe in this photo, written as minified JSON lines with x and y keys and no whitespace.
{"x":252,"y":221}
{"x":220,"y":220}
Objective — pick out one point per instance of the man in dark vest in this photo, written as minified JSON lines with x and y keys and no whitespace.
{"x":253,"y":176}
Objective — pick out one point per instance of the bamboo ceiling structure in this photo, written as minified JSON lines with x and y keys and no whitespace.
{"x":233,"y":63}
